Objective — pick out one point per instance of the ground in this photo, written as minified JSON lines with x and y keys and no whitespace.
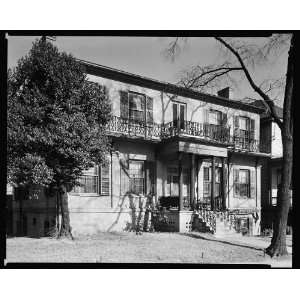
{"x":124,"y":247}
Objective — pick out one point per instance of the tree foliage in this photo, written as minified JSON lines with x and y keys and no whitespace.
{"x":56,"y":119}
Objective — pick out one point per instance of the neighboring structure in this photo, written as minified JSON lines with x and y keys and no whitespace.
{"x":271,"y":170}
{"x":183,"y":149}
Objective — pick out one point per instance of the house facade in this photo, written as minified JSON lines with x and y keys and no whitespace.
{"x":271,"y":169}
{"x":200,"y":156}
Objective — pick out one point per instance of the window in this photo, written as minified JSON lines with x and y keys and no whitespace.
{"x":137,"y":107}
{"x":206,"y":182}
{"x":244,"y":180}
{"x":90,"y":183}
{"x":244,"y":186}
{"x":34,"y":221}
{"x":136,"y":177}
{"x":215,"y":117}
{"x":207,"y":178}
{"x":178,"y":114}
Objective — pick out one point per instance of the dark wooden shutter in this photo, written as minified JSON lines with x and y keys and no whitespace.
{"x":182,"y":116}
{"x":125,"y":182}
{"x":252,"y":129}
{"x":224,"y":119}
{"x":104,"y":180}
{"x":236,"y":183}
{"x":175,"y":115}
{"x":149,"y":107}
{"x":252,"y":184}
{"x":150,"y":180}
{"x":236,"y":125}
{"x":124,"y":105}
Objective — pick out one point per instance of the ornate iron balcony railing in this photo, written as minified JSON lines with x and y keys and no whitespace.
{"x":210,"y":132}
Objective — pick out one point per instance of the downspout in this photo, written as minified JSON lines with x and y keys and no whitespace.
{"x":111,"y":180}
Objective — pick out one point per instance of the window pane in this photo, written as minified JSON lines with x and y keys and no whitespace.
{"x":215,"y":117}
{"x":136,"y":107}
{"x":136,"y":174}
{"x":244,"y":123}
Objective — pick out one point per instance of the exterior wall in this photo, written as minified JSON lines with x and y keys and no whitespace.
{"x":276,"y":150}
{"x":90,"y":214}
{"x":162,"y":104}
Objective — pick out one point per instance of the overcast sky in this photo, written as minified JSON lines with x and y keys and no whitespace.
{"x":144,"y":56}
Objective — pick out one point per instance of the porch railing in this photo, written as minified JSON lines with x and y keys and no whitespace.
{"x":210,"y":132}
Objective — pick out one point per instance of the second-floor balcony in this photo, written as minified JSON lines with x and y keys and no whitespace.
{"x":240,"y":141}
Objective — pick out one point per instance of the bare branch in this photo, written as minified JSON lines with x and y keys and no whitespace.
{"x":269,"y":103}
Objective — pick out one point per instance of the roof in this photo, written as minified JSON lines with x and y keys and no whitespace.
{"x":278,"y":110}
{"x":126,"y":77}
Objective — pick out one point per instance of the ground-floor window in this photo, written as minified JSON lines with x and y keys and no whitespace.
{"x":243,"y":183}
{"x":136,"y":177}
{"x":207,"y":178}
{"x":94,"y":181}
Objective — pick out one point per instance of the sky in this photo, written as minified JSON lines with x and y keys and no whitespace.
{"x":145,"y":56}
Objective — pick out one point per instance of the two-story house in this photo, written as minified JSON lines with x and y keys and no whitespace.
{"x":198,"y":151}
{"x":271,"y":169}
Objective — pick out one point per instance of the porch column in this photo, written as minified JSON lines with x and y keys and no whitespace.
{"x":212,"y":194}
{"x":180,"y":177}
{"x":192,"y":180}
{"x":223,"y":183}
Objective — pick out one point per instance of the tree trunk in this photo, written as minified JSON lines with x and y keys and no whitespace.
{"x":65,"y":228}
{"x":278,"y":243}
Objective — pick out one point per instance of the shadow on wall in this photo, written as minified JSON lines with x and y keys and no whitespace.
{"x":139,"y":215}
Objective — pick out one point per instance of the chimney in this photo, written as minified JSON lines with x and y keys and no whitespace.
{"x":224,"y":93}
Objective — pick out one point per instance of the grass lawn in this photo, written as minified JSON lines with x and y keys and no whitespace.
{"x":124,"y":247}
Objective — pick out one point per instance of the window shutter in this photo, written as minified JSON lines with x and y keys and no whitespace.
{"x":252,"y":129}
{"x":252,"y":184}
{"x":205,"y":115}
{"x":124,"y":178}
{"x":124,"y":105}
{"x":236,"y":185}
{"x":104,"y":180}
{"x":149,"y":107}
{"x":236,"y":125}
{"x":224,"y":119}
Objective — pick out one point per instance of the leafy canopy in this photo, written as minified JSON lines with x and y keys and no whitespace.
{"x":56,"y":119}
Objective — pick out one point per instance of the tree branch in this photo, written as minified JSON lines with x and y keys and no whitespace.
{"x":266,"y":99}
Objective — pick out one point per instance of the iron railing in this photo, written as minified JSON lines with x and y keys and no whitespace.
{"x":240,"y":141}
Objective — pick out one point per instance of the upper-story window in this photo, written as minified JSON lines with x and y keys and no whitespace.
{"x":179,"y":112}
{"x":136,"y":107}
{"x":215,"y":117}
{"x":244,"y":128}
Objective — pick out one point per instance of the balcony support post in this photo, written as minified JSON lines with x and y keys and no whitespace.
{"x":192,"y":180}
{"x":180,"y":177}
{"x":212,"y":194}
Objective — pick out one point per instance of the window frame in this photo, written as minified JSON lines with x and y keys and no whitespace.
{"x":219,"y":116}
{"x":144,"y":111}
{"x":178,"y":109}
{"x":77,"y":191}
{"x":143,"y":178}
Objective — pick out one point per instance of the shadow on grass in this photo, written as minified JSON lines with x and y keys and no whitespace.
{"x":198,"y":236}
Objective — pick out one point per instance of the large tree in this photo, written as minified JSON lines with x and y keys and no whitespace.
{"x":56,"y":123}
{"x":241,"y":56}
